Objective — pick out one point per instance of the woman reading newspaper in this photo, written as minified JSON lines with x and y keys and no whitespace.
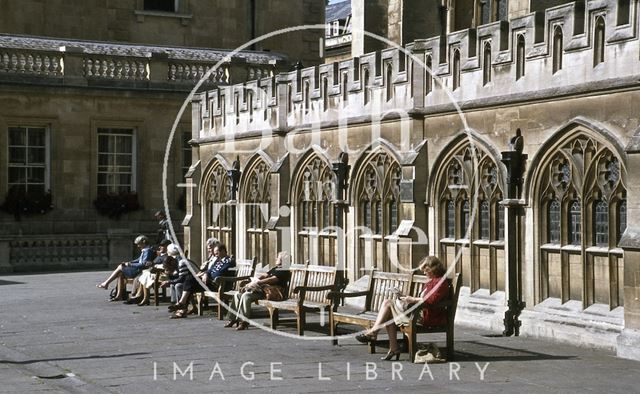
{"x":434,"y":291}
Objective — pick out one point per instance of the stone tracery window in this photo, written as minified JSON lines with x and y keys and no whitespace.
{"x":315,"y":231}
{"x":255,"y":204}
{"x":378,"y":194}
{"x":579,"y":258}
{"x":217,"y":189}
{"x":469,"y":187}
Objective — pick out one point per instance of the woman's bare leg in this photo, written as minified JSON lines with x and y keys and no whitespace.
{"x":383,"y":315}
{"x":116,"y":273}
{"x":122,"y":287}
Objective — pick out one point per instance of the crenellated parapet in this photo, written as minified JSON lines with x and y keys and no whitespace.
{"x":569,"y":49}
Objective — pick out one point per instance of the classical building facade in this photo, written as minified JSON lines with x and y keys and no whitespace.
{"x":422,"y":131}
{"x":90,"y":91}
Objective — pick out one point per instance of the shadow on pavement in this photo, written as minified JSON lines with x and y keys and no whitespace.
{"x":10,"y":282}
{"x":478,"y":351}
{"x":71,"y":358}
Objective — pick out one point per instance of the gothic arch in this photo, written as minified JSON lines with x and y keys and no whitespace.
{"x":465,"y":191}
{"x":600,"y":131}
{"x":462,"y":137}
{"x":376,"y":198}
{"x":577,"y":190}
{"x":373,"y":149}
{"x":314,"y":215}
{"x":311,"y":154}
{"x":255,"y":198}
{"x":217,"y":160}
{"x":214,"y":197}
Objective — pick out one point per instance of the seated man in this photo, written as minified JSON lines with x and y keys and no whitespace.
{"x":240,"y":307}
{"x":218,"y":266}
{"x":190,"y":284}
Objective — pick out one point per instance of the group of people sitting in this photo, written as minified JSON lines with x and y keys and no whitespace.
{"x":165,"y":259}
{"x":177,"y":273}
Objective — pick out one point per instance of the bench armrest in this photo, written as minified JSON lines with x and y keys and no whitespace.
{"x":304,"y":289}
{"x":340,"y":294}
{"x":220,"y":280}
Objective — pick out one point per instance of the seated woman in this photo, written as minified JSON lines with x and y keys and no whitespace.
{"x":148,"y":277}
{"x":433,"y":292}
{"x":130,"y":269}
{"x":240,"y":306}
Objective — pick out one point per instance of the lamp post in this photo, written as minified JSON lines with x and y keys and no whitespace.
{"x":234,"y":178}
{"x":515,"y":162}
{"x":341,"y":170}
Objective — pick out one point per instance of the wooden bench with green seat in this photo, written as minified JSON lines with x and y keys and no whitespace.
{"x":381,"y":285}
{"x":311,"y":296}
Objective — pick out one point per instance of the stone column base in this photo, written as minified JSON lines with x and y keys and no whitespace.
{"x":629,"y":344}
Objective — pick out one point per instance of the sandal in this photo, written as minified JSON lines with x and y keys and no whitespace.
{"x":232,"y":323}
{"x":179,"y":315}
{"x":365,"y":338}
{"x":102,"y":286}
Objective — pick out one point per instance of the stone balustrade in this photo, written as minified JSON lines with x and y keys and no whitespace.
{"x":65,"y":251}
{"x":193,"y":72}
{"x":135,"y":69}
{"x":85,"y":63}
{"x":27,"y":62}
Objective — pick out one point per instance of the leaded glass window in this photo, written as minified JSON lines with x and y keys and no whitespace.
{"x":451,"y":219}
{"x":484,"y":220}
{"x":500,"y":222}
{"x":601,"y":223}
{"x":575,"y":224}
{"x":464,"y":223}
{"x":393,"y":216}
{"x":378,"y":218}
{"x":366,"y":212}
{"x":554,"y":222}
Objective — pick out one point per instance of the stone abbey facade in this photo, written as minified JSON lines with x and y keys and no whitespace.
{"x":422,"y":133}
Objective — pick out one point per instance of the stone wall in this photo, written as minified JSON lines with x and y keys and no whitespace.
{"x":197,"y":23}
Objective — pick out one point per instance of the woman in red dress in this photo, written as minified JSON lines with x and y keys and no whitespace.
{"x":434,"y":291}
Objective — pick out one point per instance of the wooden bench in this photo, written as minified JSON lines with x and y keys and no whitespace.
{"x":380,"y":288}
{"x":410,"y":332}
{"x":229,"y":285}
{"x":298,"y":279}
{"x":318,"y":281}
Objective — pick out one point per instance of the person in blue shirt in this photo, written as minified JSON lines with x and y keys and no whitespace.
{"x":130,"y":269}
{"x":220,"y":267}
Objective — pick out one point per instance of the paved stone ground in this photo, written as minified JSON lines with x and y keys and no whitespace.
{"x":57,"y":334}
